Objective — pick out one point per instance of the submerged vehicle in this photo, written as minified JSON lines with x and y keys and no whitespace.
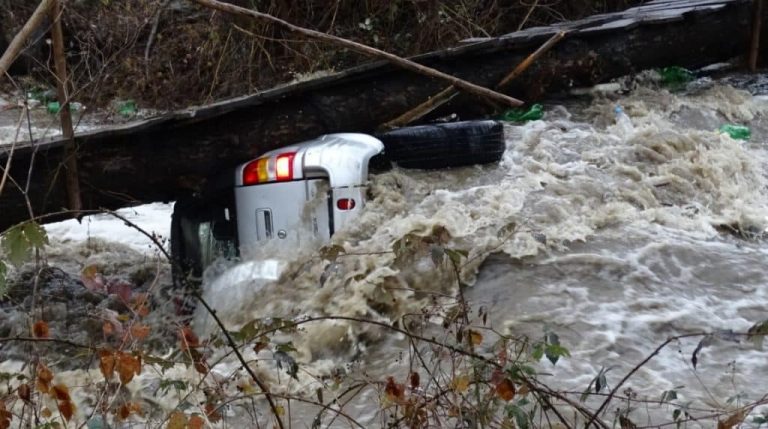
{"x":309,"y":190}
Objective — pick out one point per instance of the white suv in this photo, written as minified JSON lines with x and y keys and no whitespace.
{"x":309,"y":190}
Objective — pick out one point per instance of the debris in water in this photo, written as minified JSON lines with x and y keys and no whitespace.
{"x":738,"y":132}
{"x":534,"y":113}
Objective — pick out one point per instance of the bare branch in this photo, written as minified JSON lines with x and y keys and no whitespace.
{"x":20,"y":39}
{"x":364,"y":49}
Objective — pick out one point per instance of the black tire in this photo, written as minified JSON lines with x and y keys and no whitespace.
{"x":454,"y":144}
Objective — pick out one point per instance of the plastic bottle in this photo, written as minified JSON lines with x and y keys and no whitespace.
{"x":676,"y":77}
{"x":126,"y":108}
{"x":623,"y":123}
{"x":536,"y":112}
{"x":738,"y":132}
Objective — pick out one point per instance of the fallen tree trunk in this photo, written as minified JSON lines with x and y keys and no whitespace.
{"x":162,"y":158}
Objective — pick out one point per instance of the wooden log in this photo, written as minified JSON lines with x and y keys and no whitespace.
{"x":162,"y":158}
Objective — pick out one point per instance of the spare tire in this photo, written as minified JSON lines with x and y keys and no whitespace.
{"x":454,"y":144}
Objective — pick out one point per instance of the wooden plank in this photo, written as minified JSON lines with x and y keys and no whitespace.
{"x":162,"y":158}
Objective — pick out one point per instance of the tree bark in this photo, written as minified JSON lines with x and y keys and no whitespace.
{"x":20,"y":39}
{"x":367,"y":50}
{"x":70,"y":162}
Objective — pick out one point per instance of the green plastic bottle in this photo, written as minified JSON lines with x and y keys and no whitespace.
{"x":534,"y":113}
{"x":675,"y":76}
{"x":126,"y":108}
{"x":738,"y":132}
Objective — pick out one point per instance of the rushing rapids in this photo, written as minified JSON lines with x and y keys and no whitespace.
{"x":614,"y":237}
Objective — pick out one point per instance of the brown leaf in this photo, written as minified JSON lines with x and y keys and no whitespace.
{"x":5,"y":416}
{"x":67,"y":409}
{"x":415,"y":380}
{"x":212,"y":412}
{"x":40,"y":329}
{"x":127,"y":366}
{"x":122,"y":289}
{"x":395,"y":391}
{"x":505,"y":389}
{"x":196,"y":422}
{"x":107,"y":363}
{"x":259,"y":346}
{"x":61,"y":392}
{"x":44,"y":377}
{"x":139,"y":331}
{"x":108,"y":328}
{"x":188,"y":339}
{"x":732,"y":421}
{"x":127,"y":409}
{"x":24,"y":392}
{"x":460,"y":384}
{"x":46,"y":412}
{"x":142,"y":310}
{"x":475,"y":338}
{"x":177,"y":421}
{"x":123,"y":412}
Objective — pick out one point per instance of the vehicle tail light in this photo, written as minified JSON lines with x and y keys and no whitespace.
{"x":345,"y":203}
{"x":256,"y":172}
{"x":284,"y":166}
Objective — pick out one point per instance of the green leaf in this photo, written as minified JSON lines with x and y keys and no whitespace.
{"x":177,"y":385}
{"x":162,"y":363}
{"x":555,"y":351}
{"x":36,"y":234}
{"x":538,"y":351}
{"x":455,"y":255}
{"x":285,"y":348}
{"x":19,"y":241}
{"x":757,"y":332}
{"x":520,"y":416}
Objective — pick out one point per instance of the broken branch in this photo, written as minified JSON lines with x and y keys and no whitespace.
{"x":20,"y":39}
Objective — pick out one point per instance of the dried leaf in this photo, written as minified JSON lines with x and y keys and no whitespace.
{"x":505,"y":389}
{"x":475,"y":338}
{"x":107,"y":363}
{"x":127,"y":366}
{"x":460,"y":384}
{"x":122,"y":289}
{"x":139,"y":331}
{"x":5,"y":416}
{"x":24,"y":392}
{"x":67,"y":409}
{"x":732,"y":421}
{"x":61,"y":392}
{"x":188,"y":339}
{"x":40,"y":329}
{"x":196,"y":422}
{"x":415,"y":380}
{"x":212,"y":412}
{"x":46,"y":412}
{"x":395,"y":391}
{"x":44,"y":377}
{"x":260,"y":345}
{"x":177,"y":421}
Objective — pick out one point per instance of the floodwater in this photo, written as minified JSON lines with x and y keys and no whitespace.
{"x":614,"y":238}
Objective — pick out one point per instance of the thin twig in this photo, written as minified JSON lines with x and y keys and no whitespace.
{"x":240,"y":358}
